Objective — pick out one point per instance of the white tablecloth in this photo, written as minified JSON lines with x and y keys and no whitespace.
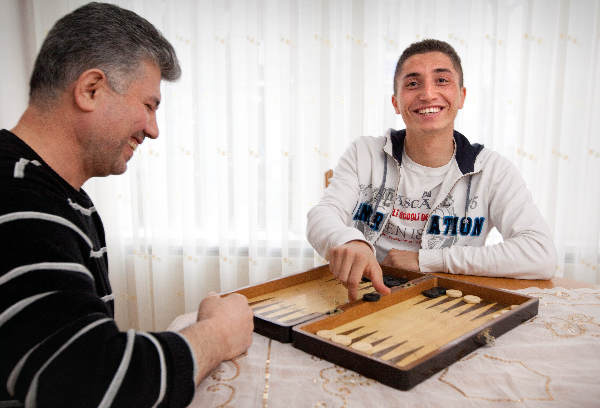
{"x":552,"y":360}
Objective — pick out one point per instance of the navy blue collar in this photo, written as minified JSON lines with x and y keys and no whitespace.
{"x":466,"y":153}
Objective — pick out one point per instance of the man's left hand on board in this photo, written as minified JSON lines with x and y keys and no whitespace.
{"x":405,"y":260}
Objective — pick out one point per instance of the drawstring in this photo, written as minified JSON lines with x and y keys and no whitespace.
{"x":468,"y":193}
{"x":381,"y":189}
{"x":467,"y":201}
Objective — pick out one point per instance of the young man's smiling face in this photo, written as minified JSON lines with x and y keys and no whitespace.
{"x":428,"y":93}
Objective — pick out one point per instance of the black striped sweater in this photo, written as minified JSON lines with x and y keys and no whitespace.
{"x":59,"y":344}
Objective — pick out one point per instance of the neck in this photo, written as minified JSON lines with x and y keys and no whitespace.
{"x":429,"y":149}
{"x":50,"y":134}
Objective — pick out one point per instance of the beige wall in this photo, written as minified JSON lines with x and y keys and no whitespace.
{"x":17,"y":52}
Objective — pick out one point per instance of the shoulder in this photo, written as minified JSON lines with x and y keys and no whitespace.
{"x":488,"y":158}
{"x":371,"y":142}
{"x":494,"y":165}
{"x":39,"y":202}
{"x":28,"y":183}
{"x":370,"y":145}
{"x":22,"y":171}
{"x":34,"y":192}
{"x":363,"y":147}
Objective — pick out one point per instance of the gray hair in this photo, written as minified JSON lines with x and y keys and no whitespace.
{"x":103,"y":36}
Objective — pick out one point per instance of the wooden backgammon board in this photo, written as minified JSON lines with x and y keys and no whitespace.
{"x":281,"y":304}
{"x":400,"y":339}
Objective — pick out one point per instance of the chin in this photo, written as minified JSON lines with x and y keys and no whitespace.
{"x":119,"y":170}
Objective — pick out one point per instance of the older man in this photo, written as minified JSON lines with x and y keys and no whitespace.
{"x":424,"y":198}
{"x":94,"y":93}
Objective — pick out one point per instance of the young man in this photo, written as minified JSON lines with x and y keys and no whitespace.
{"x":94,"y":93}
{"x":424,"y":198}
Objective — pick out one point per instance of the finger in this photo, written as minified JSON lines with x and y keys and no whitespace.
{"x":210,"y":298}
{"x":207,"y":307}
{"x":347,"y":258}
{"x":333,"y":262}
{"x":356,"y":272}
{"x":375,"y":274}
{"x":236,"y":297}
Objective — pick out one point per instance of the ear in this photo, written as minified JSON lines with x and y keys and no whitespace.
{"x":463,"y":94}
{"x":88,"y":89}
{"x":395,"y":103}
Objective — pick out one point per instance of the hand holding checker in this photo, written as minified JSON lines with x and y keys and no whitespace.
{"x":353,"y":260}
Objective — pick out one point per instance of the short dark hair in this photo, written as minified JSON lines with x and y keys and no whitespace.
{"x":429,"y":45}
{"x":103,"y":36}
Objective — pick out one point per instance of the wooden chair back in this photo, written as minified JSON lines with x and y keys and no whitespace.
{"x":328,"y":175}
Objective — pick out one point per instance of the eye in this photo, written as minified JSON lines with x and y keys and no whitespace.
{"x":442,"y":80}
{"x":412,"y":84}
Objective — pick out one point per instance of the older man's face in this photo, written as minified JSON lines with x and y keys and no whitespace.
{"x":125,"y":121}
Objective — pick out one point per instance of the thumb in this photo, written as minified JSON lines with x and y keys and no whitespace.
{"x":376,"y":275}
{"x":210,"y":298}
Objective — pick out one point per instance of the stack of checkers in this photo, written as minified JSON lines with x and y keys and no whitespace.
{"x":345,"y":340}
{"x":391,"y":281}
{"x":388,"y":280}
{"x":453,"y":293}
{"x":438,"y":291}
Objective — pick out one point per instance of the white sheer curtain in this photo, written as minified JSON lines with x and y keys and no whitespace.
{"x":273,"y":91}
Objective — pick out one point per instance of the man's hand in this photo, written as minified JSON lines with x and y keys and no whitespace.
{"x":233,"y":320}
{"x":223,"y":331}
{"x":353,"y":260}
{"x":405,"y":260}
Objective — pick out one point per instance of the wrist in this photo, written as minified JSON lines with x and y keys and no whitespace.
{"x":213,"y":331}
{"x":208,"y":343}
{"x":360,"y":241}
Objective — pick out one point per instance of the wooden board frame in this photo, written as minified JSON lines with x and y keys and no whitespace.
{"x":283,"y":332}
{"x":404,"y":378}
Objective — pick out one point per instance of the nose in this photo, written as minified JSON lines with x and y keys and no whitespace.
{"x":428,"y":90}
{"x":151,"y":129}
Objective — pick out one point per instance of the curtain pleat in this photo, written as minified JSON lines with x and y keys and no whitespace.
{"x":272,"y":93}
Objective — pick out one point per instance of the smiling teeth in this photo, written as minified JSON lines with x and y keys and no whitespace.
{"x":430,"y":110}
{"x":133,"y":144}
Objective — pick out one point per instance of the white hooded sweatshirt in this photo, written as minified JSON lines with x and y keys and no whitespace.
{"x":482,"y":190}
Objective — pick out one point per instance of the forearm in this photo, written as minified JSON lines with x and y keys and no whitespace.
{"x":207,"y":346}
{"x":528,"y":256}
{"x":528,"y":250}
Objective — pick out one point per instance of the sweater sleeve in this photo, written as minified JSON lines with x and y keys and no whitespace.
{"x":327,"y":224}
{"x":528,"y":250}
{"x":59,"y":343}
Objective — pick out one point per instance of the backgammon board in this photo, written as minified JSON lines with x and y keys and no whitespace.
{"x":400,"y":339}
{"x":280,"y":304}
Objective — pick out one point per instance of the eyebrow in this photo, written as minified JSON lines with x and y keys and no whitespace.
{"x":442,"y":70}
{"x":416,"y":74}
